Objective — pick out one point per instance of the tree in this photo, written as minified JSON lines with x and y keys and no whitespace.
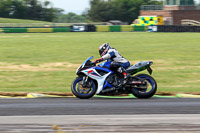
{"x":18,"y":10}
{"x":124,"y":10}
{"x":101,"y":10}
{"x":5,"y":8}
{"x":27,"y":9}
{"x":35,"y":10}
{"x":71,"y":18}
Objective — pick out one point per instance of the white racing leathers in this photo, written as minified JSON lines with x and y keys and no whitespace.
{"x":115,"y":56}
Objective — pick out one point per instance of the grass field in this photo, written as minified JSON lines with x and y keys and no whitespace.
{"x":41,"y":62}
{"x":10,"y":20}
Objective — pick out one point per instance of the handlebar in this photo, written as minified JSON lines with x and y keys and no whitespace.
{"x":92,"y":64}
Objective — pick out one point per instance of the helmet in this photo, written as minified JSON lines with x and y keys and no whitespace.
{"x":103,"y":49}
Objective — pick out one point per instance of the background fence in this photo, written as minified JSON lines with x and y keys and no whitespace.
{"x":173,"y":28}
{"x":77,"y":28}
{"x":104,"y":28}
{"x":34,"y":30}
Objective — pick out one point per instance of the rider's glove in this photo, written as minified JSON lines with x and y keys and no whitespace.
{"x":98,"y":60}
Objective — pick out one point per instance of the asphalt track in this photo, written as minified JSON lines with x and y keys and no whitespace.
{"x":99,"y":115}
{"x":98,"y":106}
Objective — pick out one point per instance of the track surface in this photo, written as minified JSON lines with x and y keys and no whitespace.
{"x":162,"y":123}
{"x":97,"y":115}
{"x":98,"y":106}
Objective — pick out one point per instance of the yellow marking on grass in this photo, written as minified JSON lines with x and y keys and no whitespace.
{"x":193,"y":81}
{"x":4,"y":97}
{"x":67,"y":66}
{"x":56,"y":66}
{"x":38,"y":95}
{"x":187,"y":96}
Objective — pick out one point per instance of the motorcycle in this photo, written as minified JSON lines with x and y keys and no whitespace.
{"x":101,"y":80}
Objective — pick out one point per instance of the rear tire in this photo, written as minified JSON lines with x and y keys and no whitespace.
{"x":144,"y":94}
{"x":81,"y":92}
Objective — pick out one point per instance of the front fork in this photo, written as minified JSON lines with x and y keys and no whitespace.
{"x":85,"y":82}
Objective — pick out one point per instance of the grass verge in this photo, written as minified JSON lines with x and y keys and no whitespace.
{"x":46,"y":62}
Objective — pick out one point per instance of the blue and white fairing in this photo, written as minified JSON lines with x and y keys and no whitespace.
{"x":83,"y":64}
{"x":94,"y":74}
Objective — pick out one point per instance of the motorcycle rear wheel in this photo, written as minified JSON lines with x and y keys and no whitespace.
{"x":148,"y":91}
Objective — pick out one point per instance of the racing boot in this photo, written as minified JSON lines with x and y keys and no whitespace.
{"x":125,"y":75}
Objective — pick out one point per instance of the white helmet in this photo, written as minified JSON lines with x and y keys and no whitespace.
{"x":103,"y":49}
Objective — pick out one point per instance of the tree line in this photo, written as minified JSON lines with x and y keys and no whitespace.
{"x":99,"y":11}
{"x":124,"y":10}
{"x":28,"y":9}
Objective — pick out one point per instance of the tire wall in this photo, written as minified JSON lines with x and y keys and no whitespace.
{"x":139,"y":28}
{"x":14,"y":30}
{"x":102,"y":28}
{"x":127,"y":28}
{"x":65,"y":29}
{"x":89,"y":28}
{"x":115,"y":28}
{"x":173,"y":28}
{"x":106,"y":28}
{"x":37,"y":30}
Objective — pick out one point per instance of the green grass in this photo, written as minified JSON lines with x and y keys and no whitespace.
{"x":11,"y":20}
{"x":41,"y":62}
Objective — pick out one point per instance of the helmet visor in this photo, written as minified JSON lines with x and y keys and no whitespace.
{"x":101,"y":51}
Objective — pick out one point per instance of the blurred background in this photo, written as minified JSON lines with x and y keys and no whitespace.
{"x":91,"y":11}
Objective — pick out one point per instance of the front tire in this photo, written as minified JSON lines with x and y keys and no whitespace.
{"x":150,"y":88}
{"x":83,"y":92}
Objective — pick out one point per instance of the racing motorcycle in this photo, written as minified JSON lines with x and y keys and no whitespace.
{"x":101,"y":80}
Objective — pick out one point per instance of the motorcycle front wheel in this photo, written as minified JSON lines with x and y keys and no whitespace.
{"x":147,"y":90}
{"x":83,"y":91}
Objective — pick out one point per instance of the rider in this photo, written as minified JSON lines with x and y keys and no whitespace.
{"x":119,"y":63}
